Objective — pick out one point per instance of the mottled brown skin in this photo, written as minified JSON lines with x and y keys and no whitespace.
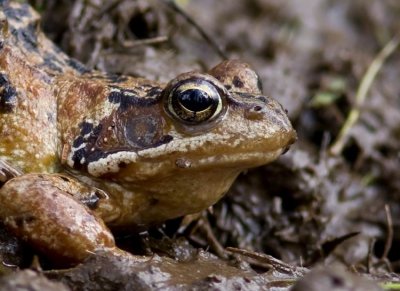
{"x":88,"y":149}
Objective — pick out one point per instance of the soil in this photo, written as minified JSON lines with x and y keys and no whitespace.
{"x":332,"y":200}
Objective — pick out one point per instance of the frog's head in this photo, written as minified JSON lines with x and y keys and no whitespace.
{"x":222,"y":120}
{"x":189,"y":140}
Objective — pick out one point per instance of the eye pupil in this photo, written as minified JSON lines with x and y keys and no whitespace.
{"x":195,"y":100}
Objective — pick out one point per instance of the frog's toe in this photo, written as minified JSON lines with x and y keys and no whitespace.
{"x":51,"y":220}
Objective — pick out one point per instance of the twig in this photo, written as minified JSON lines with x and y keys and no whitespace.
{"x":211,"y":239}
{"x":142,"y":42}
{"x":362,"y":92}
{"x":389,"y":238}
{"x":270,"y":260}
{"x":107,"y":8}
{"x":209,"y":39}
{"x":370,"y":255}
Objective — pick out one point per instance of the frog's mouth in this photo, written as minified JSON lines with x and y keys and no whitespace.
{"x":238,"y":160}
{"x":172,"y":159}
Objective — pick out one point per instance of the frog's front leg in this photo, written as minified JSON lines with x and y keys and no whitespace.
{"x":44,"y":211}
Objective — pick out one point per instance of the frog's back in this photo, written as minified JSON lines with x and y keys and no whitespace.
{"x":28,"y":64}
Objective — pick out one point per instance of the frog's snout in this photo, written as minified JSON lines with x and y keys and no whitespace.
{"x":266,"y":109}
{"x":269,"y":120}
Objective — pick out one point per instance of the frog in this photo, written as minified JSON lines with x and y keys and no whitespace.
{"x":85,"y":154}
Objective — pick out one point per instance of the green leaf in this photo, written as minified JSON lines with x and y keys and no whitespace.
{"x":323,"y":98}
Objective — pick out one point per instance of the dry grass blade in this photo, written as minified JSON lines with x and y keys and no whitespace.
{"x":362,"y":92}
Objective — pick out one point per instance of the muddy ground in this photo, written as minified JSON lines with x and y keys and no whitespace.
{"x":332,"y":199}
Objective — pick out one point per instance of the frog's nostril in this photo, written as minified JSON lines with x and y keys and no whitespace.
{"x":255,"y":113}
{"x":257,"y":108}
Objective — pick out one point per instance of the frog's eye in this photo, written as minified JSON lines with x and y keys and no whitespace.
{"x":194,"y":101}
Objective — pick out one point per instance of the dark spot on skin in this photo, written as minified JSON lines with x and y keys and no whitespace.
{"x":65,"y":179}
{"x":214,"y":279}
{"x":97,"y":155}
{"x":3,"y":80}
{"x":28,"y":36}
{"x":86,"y":151}
{"x":96,"y":131}
{"x":276,"y":121}
{"x":77,"y":66}
{"x":263,"y":99}
{"x":247,"y":280}
{"x":8,"y":95}
{"x":1,"y":45}
{"x":237,"y":82}
{"x":337,"y":281}
{"x":78,"y":155}
{"x":115,"y":97}
{"x":50,"y":61}
{"x":30,"y":219}
{"x":50,"y":117}
{"x":154,"y":91}
{"x":228,"y":87}
{"x":114,"y":78}
{"x":44,"y":77}
{"x":21,"y":221}
{"x":16,"y":13}
{"x":86,"y":127}
{"x":128,"y":98}
{"x":91,"y":200}
{"x":122,"y":165}
{"x":101,"y":194}
{"x":78,"y":142}
{"x":130,"y":92}
{"x":153,"y":201}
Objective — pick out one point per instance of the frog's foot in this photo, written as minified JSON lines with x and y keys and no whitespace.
{"x":7,"y":172}
{"x":42,"y":211}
